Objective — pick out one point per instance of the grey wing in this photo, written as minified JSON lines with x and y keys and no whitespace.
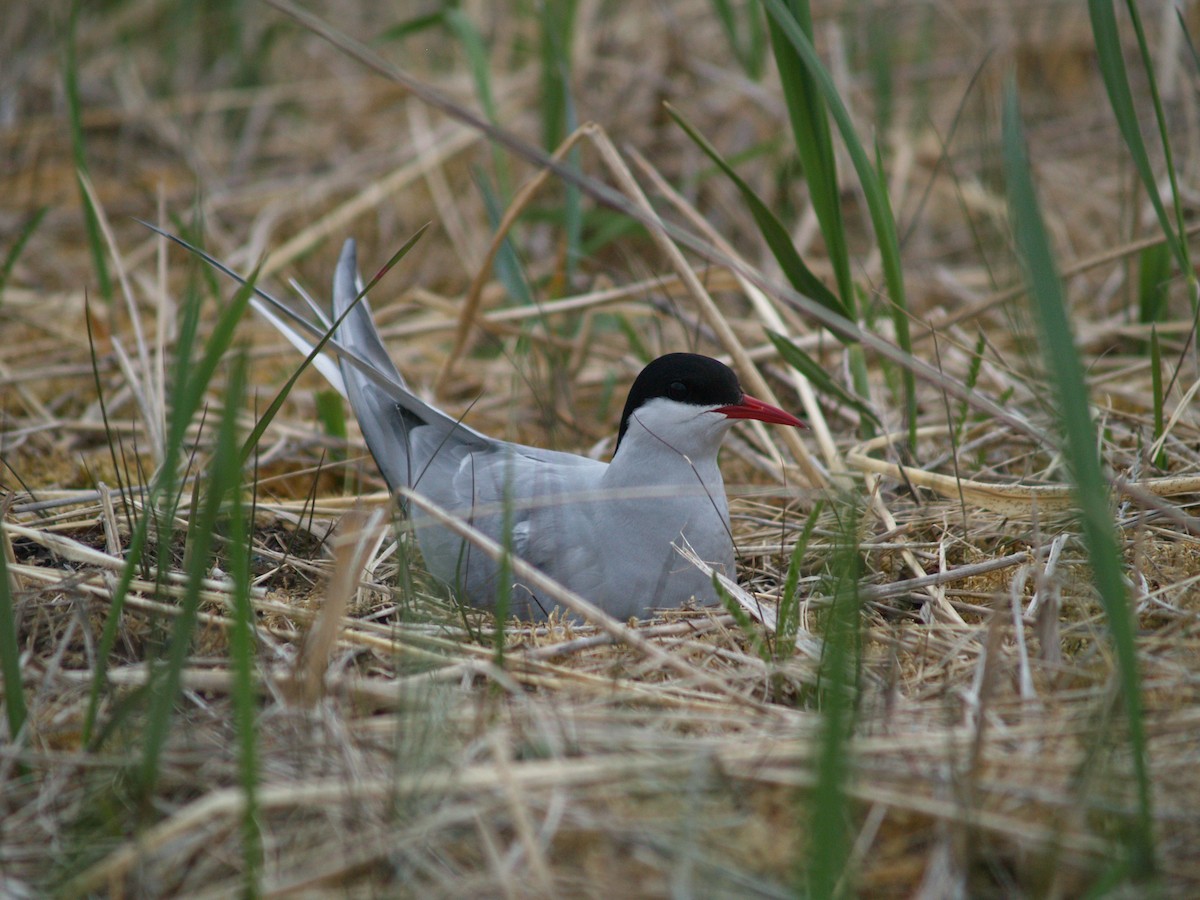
{"x":535,"y":495}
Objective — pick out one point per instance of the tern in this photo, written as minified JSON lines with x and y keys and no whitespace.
{"x":607,"y":531}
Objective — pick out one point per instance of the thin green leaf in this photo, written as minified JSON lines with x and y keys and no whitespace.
{"x":788,"y":620}
{"x":509,"y":270}
{"x":224,"y":476}
{"x":479,"y":63}
{"x":1187,"y":36}
{"x":555,"y":24}
{"x":10,"y":651}
{"x":814,"y":141}
{"x":414,"y":25}
{"x":331,"y":412}
{"x":14,"y":252}
{"x":1107,"y":38}
{"x":218,"y":343}
{"x":477,"y":57}
{"x":504,"y":581}
{"x":559,"y":117}
{"x":1160,"y":118}
{"x":392,"y":261}
{"x":603,"y":227}
{"x":788,"y":26}
{"x":971,"y":380}
{"x":243,"y":695}
{"x":79,"y":151}
{"x":1079,"y":438}
{"x":772,"y":230}
{"x":1154,"y":272}
{"x":1156,"y":390}
{"x":746,"y":35}
{"x":826,"y":873}
{"x":881,"y":40}
{"x":819,"y":376}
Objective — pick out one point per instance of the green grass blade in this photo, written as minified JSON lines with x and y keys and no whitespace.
{"x":331,"y":413}
{"x":1154,"y":272}
{"x":79,"y":151}
{"x":393,"y":260}
{"x":477,"y":57}
{"x":243,"y":695}
{"x":504,"y":580}
{"x":479,"y":62}
{"x":787,"y":25}
{"x":881,"y":60}
{"x":509,"y":270}
{"x":414,"y":25}
{"x":1156,"y":390}
{"x":10,"y":651}
{"x":556,"y":22}
{"x":218,"y":343}
{"x":728,"y":19}
{"x":789,"y":604}
{"x":14,"y":252}
{"x":780,"y":242}
{"x":187,"y":396}
{"x":1107,"y":38}
{"x":819,"y":376}
{"x":224,"y":476}
{"x":829,"y":839}
{"x":814,"y":141}
{"x":1160,"y":118}
{"x":559,"y":118}
{"x":603,"y":227}
{"x":1187,"y":36}
{"x":884,"y":221}
{"x":973,"y":370}
{"x":1091,"y":489}
{"x":746,"y":35}
{"x":755,"y":45}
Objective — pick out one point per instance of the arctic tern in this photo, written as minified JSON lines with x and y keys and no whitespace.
{"x":604,"y":530}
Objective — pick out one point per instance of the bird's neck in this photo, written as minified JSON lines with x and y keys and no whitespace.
{"x":644,"y":459}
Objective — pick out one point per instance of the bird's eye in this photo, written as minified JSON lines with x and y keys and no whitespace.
{"x":677,"y":391}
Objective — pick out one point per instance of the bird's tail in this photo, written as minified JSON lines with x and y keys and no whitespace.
{"x":385,"y":416}
{"x":356,"y":331}
{"x":387,"y":411}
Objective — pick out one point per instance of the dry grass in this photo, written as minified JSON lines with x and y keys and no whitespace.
{"x":397,"y":756}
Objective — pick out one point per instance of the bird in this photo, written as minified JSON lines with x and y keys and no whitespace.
{"x":607,"y":531}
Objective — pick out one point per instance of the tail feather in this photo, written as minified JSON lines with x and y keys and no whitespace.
{"x":356,"y":331}
{"x":322,"y":363}
{"x":358,"y":343}
{"x":387,"y":411}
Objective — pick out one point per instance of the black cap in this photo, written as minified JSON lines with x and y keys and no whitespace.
{"x":684,"y":378}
